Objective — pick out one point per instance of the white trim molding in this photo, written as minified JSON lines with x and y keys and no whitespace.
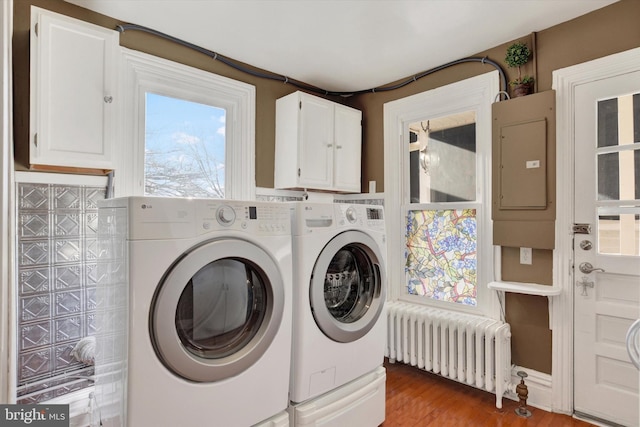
{"x":7,"y":308}
{"x":565,"y":82}
{"x":143,"y":73}
{"x":473,"y":94}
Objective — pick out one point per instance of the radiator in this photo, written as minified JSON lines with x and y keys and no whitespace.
{"x":470,"y":349}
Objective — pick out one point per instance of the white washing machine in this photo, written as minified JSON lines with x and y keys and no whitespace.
{"x":339,"y":324}
{"x":208,"y":338}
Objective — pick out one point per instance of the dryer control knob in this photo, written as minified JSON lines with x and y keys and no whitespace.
{"x":351,"y":215}
{"x":226,"y":215}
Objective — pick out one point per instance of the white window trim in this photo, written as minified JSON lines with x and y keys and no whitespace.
{"x":473,"y":94}
{"x":143,"y":73}
{"x":565,"y":81}
{"x":7,"y":291}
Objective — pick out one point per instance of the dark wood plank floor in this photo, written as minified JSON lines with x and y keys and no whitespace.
{"x":416,"y":398}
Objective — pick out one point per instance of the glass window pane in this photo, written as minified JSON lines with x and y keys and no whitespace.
{"x":443,"y":159}
{"x":608,"y":176}
{"x":636,"y":117}
{"x":441,"y":254}
{"x":636,"y":167}
{"x":184,"y":148}
{"x":608,"y":122}
{"x":619,"y":234}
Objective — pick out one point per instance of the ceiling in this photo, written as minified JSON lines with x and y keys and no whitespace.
{"x":345,"y":45}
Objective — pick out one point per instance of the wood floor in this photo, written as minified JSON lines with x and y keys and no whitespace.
{"x":421,"y":399}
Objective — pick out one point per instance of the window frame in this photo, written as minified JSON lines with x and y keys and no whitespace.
{"x":473,"y":94}
{"x":142,"y":73}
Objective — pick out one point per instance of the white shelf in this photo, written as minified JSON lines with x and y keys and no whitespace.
{"x":526,"y":288}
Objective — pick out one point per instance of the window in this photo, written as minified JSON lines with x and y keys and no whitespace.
{"x":441,"y":237}
{"x":442,"y":140}
{"x":618,"y":161}
{"x":191,"y":132}
{"x":184,"y":152}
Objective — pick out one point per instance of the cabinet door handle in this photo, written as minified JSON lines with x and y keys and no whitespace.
{"x":338,"y":147}
{"x":108,"y":99}
{"x":329,"y":145}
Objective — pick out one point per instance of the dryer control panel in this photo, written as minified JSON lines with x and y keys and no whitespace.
{"x":171,"y":218}
{"x":259,"y":218}
{"x":368,"y":217}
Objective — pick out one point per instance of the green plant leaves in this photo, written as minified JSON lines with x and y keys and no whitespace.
{"x":517,"y":54}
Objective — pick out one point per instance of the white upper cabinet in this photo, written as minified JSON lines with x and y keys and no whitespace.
{"x":348,"y":149}
{"x":73,"y":84}
{"x":318,"y":144}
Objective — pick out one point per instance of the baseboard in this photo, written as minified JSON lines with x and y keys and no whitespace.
{"x":538,"y":385}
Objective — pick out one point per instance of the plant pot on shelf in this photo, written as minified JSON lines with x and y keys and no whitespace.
{"x":522,"y":89}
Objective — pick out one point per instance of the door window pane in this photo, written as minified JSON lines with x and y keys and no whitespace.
{"x":608,"y":176}
{"x":618,"y":157}
{"x":184,"y":148}
{"x":608,"y":122}
{"x":619,"y":234}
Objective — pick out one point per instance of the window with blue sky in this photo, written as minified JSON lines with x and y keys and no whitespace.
{"x":184,"y":153}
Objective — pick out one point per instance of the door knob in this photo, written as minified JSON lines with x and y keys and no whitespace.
{"x":586,"y":268}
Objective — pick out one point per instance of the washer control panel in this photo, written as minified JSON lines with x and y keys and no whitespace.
{"x":171,"y":218}
{"x":260,"y":218}
{"x":366,"y":216}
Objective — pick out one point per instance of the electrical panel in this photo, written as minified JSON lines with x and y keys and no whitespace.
{"x":523,"y":175}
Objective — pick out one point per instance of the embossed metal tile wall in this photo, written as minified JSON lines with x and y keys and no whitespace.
{"x":56,"y":272}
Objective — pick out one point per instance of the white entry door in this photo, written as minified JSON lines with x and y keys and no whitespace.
{"x":606,"y":246}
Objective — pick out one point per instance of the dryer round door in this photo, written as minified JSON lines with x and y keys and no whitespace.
{"x":217,"y":310}
{"x":346,"y":291}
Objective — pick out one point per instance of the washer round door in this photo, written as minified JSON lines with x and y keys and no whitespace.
{"x":346,"y":290}
{"x":217,"y":310}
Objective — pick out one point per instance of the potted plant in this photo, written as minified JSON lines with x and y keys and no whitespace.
{"x":517,"y":55}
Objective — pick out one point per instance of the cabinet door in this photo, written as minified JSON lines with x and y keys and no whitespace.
{"x":348,"y":147}
{"x":73,"y":71}
{"x":316,"y":143}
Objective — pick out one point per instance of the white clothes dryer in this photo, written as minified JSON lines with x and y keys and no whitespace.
{"x":339,"y":324}
{"x":208,"y":340}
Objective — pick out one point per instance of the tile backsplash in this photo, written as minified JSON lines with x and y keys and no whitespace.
{"x":56,"y":275}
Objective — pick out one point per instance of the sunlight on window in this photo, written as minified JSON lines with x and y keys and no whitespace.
{"x":442,"y":156}
{"x":184,"y":148}
{"x":441,"y":255}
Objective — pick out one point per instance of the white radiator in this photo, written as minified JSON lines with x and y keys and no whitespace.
{"x":470,"y":349}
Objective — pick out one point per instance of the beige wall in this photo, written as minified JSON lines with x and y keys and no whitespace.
{"x":267,"y":91}
{"x":603,"y":32}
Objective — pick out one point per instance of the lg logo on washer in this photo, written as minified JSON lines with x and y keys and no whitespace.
{"x":145,"y":206}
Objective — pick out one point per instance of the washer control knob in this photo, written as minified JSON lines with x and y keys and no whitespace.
{"x":226,"y":215}
{"x":351,"y":215}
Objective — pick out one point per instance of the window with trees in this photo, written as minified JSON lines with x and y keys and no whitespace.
{"x":193,"y":132}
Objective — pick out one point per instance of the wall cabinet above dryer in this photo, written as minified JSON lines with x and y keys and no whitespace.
{"x":318,"y":144}
{"x":73,"y":82}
